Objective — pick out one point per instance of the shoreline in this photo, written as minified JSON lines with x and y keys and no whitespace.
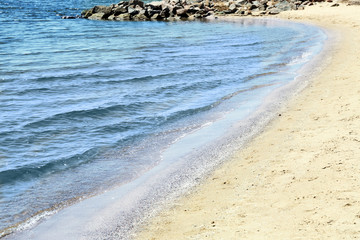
{"x":298,"y":178}
{"x":66,"y":216}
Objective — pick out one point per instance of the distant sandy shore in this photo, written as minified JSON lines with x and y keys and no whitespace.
{"x":300,"y":178}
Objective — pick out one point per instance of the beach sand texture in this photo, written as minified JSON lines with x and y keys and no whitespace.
{"x":300,"y":178}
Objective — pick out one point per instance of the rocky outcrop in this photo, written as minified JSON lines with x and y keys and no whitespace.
{"x":136,"y":10}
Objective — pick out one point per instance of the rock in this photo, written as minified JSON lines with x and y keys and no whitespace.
{"x":182,"y":12}
{"x":335,"y":5}
{"x":123,"y":17}
{"x":193,"y":10}
{"x":220,"y":6}
{"x":157,"y":5}
{"x":240,"y":3}
{"x":354,"y":2}
{"x":232,"y":8}
{"x":123,"y":4}
{"x":136,"y":3}
{"x":274,"y":11}
{"x":120,"y":10}
{"x":171,"y":10}
{"x":152,"y":12}
{"x":101,"y":9}
{"x":111,"y":17}
{"x":156,"y":16}
{"x":140,"y":17}
{"x":165,"y":13}
{"x":255,"y":13}
{"x":132,"y":11}
{"x":86,"y":13}
{"x":283,"y":6}
{"x":97,"y":16}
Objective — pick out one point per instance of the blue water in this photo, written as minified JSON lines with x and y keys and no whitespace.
{"x":87,"y":105}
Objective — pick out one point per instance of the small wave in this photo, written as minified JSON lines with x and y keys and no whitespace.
{"x":254,"y":76}
{"x":94,"y":113}
{"x":26,"y":173}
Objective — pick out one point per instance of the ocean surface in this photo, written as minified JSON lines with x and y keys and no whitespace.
{"x":86,"y":106}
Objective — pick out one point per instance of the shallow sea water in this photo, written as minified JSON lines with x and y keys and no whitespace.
{"x":89,"y":105}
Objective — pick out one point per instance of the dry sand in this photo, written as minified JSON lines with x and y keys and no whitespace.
{"x":300,"y":179}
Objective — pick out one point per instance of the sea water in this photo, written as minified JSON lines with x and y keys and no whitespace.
{"x":86,"y":106}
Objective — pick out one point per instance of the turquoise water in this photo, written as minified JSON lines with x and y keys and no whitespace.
{"x":88,"y":105}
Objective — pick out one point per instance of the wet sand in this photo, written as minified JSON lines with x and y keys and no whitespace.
{"x":300,"y":178}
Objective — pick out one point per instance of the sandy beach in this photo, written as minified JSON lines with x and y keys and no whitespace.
{"x":300,"y":178}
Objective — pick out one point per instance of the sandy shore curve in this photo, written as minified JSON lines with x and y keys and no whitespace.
{"x":300,"y":178}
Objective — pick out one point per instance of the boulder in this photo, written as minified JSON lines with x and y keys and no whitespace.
{"x":157,"y":5}
{"x":283,"y":6}
{"x":86,"y":13}
{"x":140,"y":17}
{"x":152,"y":12}
{"x":97,"y":16}
{"x":120,"y":10}
{"x":123,"y":17}
{"x":232,"y":8}
{"x":132,"y":11}
{"x":220,"y":6}
{"x":181,"y":12}
{"x":165,"y":13}
{"x":102,"y":9}
{"x":111,"y":17}
{"x":255,"y":13}
{"x":156,"y":16}
{"x":137,"y":3}
{"x":274,"y":11}
{"x":240,"y":3}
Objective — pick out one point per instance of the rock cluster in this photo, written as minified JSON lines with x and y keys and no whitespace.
{"x":137,"y":10}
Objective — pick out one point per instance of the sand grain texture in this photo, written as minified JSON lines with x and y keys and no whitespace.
{"x":300,"y":179}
